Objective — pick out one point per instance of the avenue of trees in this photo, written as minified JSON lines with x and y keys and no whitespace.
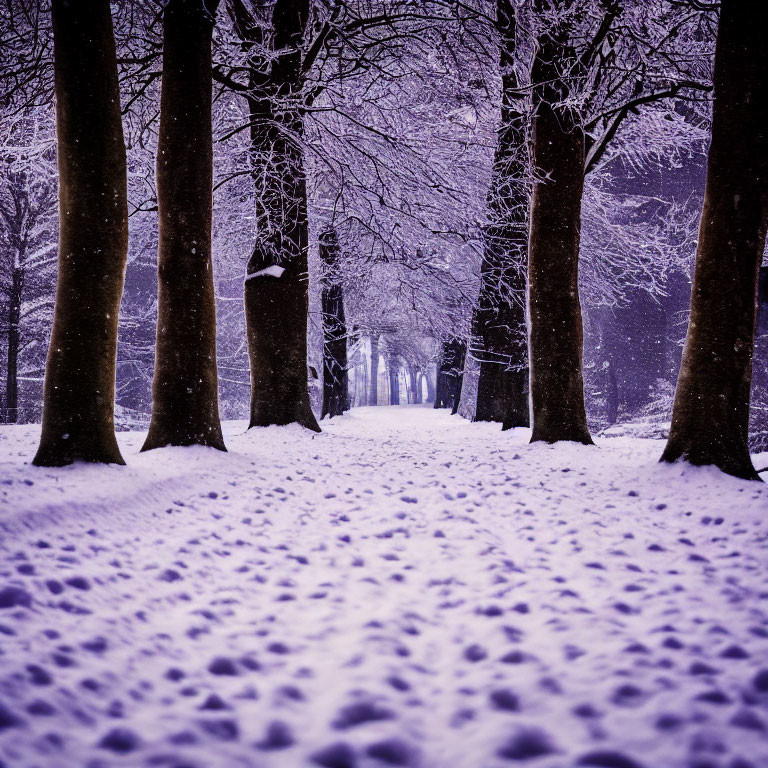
{"x":289,"y":207}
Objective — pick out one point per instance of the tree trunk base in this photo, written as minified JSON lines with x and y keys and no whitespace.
{"x":276,"y":321}
{"x":161,"y":439}
{"x":733,"y":459}
{"x":64,"y":449}
{"x":551,"y":437}
{"x":501,"y":396}
{"x":268,"y":417}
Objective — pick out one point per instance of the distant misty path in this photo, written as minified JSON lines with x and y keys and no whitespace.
{"x":406,"y":588}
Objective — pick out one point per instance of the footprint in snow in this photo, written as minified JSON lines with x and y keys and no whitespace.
{"x":360,"y":713}
{"x":526,"y":744}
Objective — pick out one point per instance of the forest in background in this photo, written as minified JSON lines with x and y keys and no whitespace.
{"x":405,"y":107}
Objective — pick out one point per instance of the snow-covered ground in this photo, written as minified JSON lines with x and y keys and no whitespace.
{"x":406,"y":588}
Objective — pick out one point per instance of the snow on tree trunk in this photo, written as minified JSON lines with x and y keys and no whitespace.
{"x":185,"y":409}
{"x":335,"y":376}
{"x":79,"y":400}
{"x":499,"y":340}
{"x":710,"y":415}
{"x":276,"y":305}
{"x":556,"y":379}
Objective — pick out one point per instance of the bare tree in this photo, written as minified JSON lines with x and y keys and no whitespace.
{"x":78,"y":413}
{"x":710,"y":417}
{"x":185,"y":408}
{"x":335,"y":376}
{"x":27,"y":250}
{"x":499,"y":338}
{"x":557,"y":386}
{"x":276,"y":283}
{"x":595,"y":65}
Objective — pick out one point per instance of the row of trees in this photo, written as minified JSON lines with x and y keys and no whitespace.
{"x":574,"y":79}
{"x":711,"y":409}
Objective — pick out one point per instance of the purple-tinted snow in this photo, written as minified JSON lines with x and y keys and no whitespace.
{"x":405,"y":589}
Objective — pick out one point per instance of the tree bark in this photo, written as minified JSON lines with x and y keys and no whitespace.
{"x":335,"y":376}
{"x":457,"y":387}
{"x":78,"y":408}
{"x":364,"y":381}
{"x":556,"y":379}
{"x":611,"y":393}
{"x":710,"y":415}
{"x":276,"y":300}
{"x":373,"y":393}
{"x":430,"y":387}
{"x":14,"y":338}
{"x":185,"y":409}
{"x":415,"y":384}
{"x":394,"y":382}
{"x":450,"y":375}
{"x":499,"y":336}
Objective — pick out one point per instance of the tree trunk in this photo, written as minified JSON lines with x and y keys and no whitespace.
{"x":430,"y":387}
{"x":440,"y":378}
{"x":276,"y":301}
{"x":457,"y":374}
{"x":335,"y":376}
{"x":611,"y":393}
{"x":415,"y":381}
{"x":79,"y":401}
{"x":457,"y":387}
{"x":373,"y":394}
{"x":394,"y":382}
{"x":439,"y":390}
{"x":185,"y":409}
{"x":14,"y":321}
{"x":557,"y":386}
{"x":711,"y":411}
{"x":450,"y":375}
{"x":499,"y":336}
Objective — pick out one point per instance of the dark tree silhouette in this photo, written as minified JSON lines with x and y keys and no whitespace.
{"x":450,"y":375}
{"x":558,"y":146}
{"x":78,"y":410}
{"x":12,"y":360}
{"x":373,"y":392}
{"x":185,"y":408}
{"x":711,"y":410}
{"x":499,"y":336}
{"x":335,"y":375}
{"x":393,"y":370}
{"x":276,"y":300}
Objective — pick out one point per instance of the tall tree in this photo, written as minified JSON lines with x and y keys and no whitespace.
{"x":450,"y":374}
{"x":27,"y":249}
{"x":78,"y":412}
{"x":276,"y":299}
{"x":710,"y":416}
{"x":558,"y":152}
{"x":373,"y":392}
{"x":335,"y":375}
{"x":414,"y":377}
{"x":185,"y":408}
{"x":393,"y":370}
{"x":499,"y":336}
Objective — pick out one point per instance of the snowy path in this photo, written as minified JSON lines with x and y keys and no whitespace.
{"x":404,"y":589}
